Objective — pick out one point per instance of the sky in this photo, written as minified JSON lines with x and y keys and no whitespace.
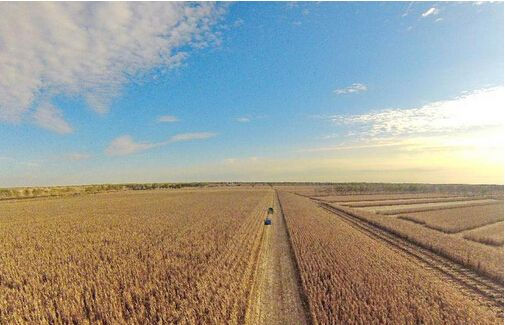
{"x":283,"y":91}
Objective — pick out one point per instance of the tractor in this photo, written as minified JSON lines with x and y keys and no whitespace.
{"x":268,"y":221}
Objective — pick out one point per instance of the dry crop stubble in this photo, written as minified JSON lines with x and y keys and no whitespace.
{"x":350,"y":278}
{"x":409,"y":208}
{"x":481,"y":258}
{"x":489,"y":235}
{"x":380,"y":197}
{"x":406,"y":201}
{"x":458,"y":219}
{"x":130,"y":257}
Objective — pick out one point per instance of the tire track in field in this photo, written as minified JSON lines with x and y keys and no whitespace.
{"x":276,"y":296}
{"x":472,"y":284}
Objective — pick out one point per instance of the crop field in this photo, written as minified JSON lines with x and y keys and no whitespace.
{"x":150,"y":257}
{"x":350,"y":278}
{"x":408,"y":208}
{"x":141,"y":253}
{"x":364,"y":204}
{"x":377,"y":197}
{"x":436,"y":224}
{"x":491,"y":235}
{"x":458,"y":219}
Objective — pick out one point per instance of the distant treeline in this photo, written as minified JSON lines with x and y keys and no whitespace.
{"x":464,"y":189}
{"x":140,"y":186}
{"x":319,"y":188}
{"x":32,"y":192}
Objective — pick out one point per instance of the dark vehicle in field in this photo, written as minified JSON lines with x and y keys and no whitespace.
{"x":268,"y":221}
{"x":270,"y":210}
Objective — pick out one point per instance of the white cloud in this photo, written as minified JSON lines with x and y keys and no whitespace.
{"x":243,"y":119}
{"x":353,"y":146}
{"x":91,"y":49}
{"x":431,"y":11}
{"x":51,"y":118}
{"x":167,"y":119}
{"x":191,"y":136}
{"x":472,"y":110}
{"x":125,"y":145}
{"x":354,"y":88}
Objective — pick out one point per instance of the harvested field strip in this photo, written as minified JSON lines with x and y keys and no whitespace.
{"x":489,"y":235}
{"x":481,"y":258}
{"x":409,"y":208}
{"x":458,"y":219}
{"x":379,"y":197}
{"x":351,"y":278}
{"x":480,"y":286}
{"x":406,"y":202}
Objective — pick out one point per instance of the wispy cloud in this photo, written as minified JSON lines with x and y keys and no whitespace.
{"x":432,"y":11}
{"x":407,"y":11}
{"x":167,"y":119}
{"x":125,"y":145}
{"x":92,"y":49}
{"x":243,"y":119}
{"x":51,"y":118}
{"x":354,"y":88}
{"x":250,"y":118}
{"x":353,"y":146}
{"x":476,"y":109}
{"x":190,"y":136}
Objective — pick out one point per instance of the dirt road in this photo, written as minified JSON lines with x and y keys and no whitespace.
{"x":276,"y":295}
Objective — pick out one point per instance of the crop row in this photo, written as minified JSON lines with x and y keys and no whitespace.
{"x":407,"y":201}
{"x":361,"y":198}
{"x":350,"y":278}
{"x":408,"y":208}
{"x":489,"y":235}
{"x":484,"y":260}
{"x":458,"y":219}
{"x":139,"y":257}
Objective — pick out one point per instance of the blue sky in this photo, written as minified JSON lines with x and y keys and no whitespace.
{"x":351,"y":91}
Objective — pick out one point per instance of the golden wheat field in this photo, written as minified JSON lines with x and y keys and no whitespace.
{"x":203,"y":255}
